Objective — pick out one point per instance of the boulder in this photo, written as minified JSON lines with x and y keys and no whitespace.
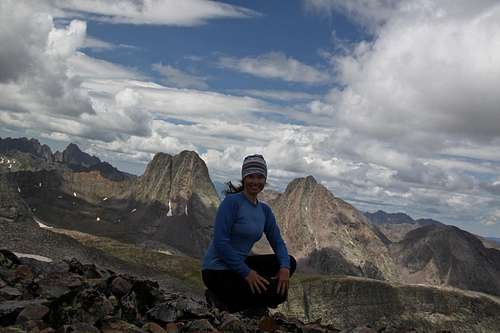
{"x":9,"y":310}
{"x":199,"y":325}
{"x":164,"y":312}
{"x":8,"y":259}
{"x":120,"y":286}
{"x":32,"y":312}
{"x":10,"y":293}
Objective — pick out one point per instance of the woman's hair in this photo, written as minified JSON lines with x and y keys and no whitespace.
{"x":232,"y":189}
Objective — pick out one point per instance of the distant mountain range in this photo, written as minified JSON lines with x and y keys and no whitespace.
{"x":396,"y":225}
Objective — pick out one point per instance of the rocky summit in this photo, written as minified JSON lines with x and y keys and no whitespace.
{"x":68,"y":296}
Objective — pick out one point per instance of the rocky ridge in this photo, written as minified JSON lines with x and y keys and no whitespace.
{"x":172,"y":204}
{"x":447,"y":255}
{"x":396,"y":225}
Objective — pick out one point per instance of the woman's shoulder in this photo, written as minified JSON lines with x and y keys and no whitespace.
{"x":231,"y":199}
{"x":266,"y":207}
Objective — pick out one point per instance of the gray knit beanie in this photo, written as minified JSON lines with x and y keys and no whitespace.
{"x":254,"y":164}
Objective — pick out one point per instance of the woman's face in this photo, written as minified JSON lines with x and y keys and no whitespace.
{"x":254,"y":183}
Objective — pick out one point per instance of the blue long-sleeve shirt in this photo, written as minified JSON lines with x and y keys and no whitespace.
{"x":240,"y":223}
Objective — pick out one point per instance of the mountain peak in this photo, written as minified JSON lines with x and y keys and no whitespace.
{"x":73,"y":156}
{"x":31,"y":146}
{"x":304,"y":184}
{"x":381,"y":217}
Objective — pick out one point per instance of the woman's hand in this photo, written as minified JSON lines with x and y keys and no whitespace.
{"x":256,"y":282}
{"x":283,"y":277}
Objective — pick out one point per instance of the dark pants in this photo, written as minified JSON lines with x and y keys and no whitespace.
{"x":234,"y":291}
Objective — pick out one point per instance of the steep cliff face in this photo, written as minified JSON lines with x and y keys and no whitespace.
{"x":181,"y":190}
{"x":446,"y":255}
{"x":313,"y":220}
{"x":94,"y":187}
{"x":12,"y":206}
{"x":346,"y":302}
{"x":182,"y":184}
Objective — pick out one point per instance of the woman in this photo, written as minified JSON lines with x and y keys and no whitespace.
{"x":240,"y":281}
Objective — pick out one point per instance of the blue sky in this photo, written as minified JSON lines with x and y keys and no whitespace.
{"x":391,"y":104}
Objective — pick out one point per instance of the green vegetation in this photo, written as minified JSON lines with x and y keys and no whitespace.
{"x":183,"y":268}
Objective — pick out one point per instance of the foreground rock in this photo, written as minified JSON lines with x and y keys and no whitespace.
{"x":72,"y":297}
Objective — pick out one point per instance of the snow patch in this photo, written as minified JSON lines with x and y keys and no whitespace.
{"x":165,"y":252}
{"x":169,"y":209}
{"x":32,"y":256}
{"x":43,"y":226}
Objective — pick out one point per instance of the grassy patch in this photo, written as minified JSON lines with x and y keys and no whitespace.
{"x":186,"y":269}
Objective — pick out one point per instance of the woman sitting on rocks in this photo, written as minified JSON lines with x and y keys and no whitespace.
{"x":234,"y":278}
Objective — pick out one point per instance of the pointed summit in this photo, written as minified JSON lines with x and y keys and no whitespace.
{"x":311,"y":218}
{"x":182,"y":185}
{"x":303,"y":184}
{"x":74,"y":157}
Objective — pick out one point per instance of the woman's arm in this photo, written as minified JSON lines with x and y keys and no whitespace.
{"x":224,"y":220}
{"x":273,"y":235}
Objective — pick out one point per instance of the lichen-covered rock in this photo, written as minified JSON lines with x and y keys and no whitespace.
{"x":23,"y":273}
{"x":151,"y":327}
{"x":165,"y":312}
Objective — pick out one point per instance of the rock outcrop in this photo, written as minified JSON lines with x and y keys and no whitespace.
{"x":323,"y":232}
{"x":12,"y":206}
{"x":347,"y":302}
